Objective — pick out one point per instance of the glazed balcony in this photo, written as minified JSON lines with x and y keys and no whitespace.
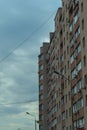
{"x":78,"y":114}
{"x":72,"y":49}
{"x":73,"y":65}
{"x":77,"y":96}
{"x":76,"y":61}
{"x":76,"y":25}
{"x":70,"y":4}
{"x":77,"y":41}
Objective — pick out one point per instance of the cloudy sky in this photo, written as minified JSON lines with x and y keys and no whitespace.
{"x":24,"y":26}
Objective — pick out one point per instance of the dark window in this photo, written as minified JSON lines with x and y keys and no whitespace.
{"x":82,"y":24}
{"x":81,"y":7}
{"x":83,"y":40}
{"x":84,"y":60}
{"x":86,"y":100}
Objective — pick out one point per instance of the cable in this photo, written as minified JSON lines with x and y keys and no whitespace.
{"x":27,"y":38}
{"x":20,"y":44}
{"x":20,"y":102}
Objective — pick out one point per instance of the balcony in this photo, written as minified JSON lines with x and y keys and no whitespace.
{"x":72,"y":49}
{"x":76,"y":96}
{"x":78,"y":114}
{"x":70,"y":4}
{"x":62,"y":107}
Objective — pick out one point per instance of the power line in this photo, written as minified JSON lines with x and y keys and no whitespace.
{"x":27,"y":38}
{"x":20,"y":102}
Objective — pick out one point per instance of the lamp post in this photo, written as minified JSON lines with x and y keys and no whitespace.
{"x":61,"y":75}
{"x":34,"y":117}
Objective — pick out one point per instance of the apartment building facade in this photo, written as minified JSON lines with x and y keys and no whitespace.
{"x":63,"y":71}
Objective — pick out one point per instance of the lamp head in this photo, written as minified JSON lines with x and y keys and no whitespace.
{"x":28,"y":113}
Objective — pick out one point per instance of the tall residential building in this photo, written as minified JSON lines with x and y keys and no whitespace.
{"x":63,"y":71}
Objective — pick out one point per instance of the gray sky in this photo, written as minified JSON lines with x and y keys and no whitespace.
{"x":30,"y":21}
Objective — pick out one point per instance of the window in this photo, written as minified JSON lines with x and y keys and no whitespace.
{"x":70,"y":127}
{"x":82,"y":7}
{"x":64,"y":54}
{"x":83,"y":41}
{"x":71,"y":26}
{"x":41,"y":67}
{"x":86,"y":100}
{"x":67,"y":64}
{"x":59,"y":104}
{"x":59,"y":118}
{"x":65,"y":68}
{"x":54,"y":122}
{"x":64,"y":128}
{"x":84,"y":61}
{"x":66,"y":7}
{"x":77,"y":33}
{"x":78,"y":105}
{"x":75,"y":53}
{"x":63,"y":115}
{"x":41,"y":87}
{"x":66,"y":113}
{"x":78,"y":49}
{"x":63,"y":3}
{"x":82,"y":24}
{"x":80,"y":122}
{"x":41,"y":97}
{"x":78,"y":68}
{"x":65,"y":83}
{"x":64,"y":27}
{"x":41,"y":117}
{"x":41,"y":77}
{"x":67,"y":35}
{"x":41,"y":127}
{"x":76,"y":17}
{"x":74,"y":108}
{"x":70,"y":111}
{"x":75,"y":2}
{"x":72,"y":58}
{"x":69,"y":96}
{"x":85,"y":79}
{"x":61,"y":58}
{"x":77,"y":87}
{"x":62,"y":100}
{"x":74,"y":38}
{"x":62,"y":72}
{"x":75,"y":125}
{"x":41,"y":107}
{"x":73,"y":73}
{"x":66,"y":98}
{"x":67,"y":50}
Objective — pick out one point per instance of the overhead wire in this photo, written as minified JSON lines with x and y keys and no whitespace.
{"x":28,"y":37}
{"x":20,"y":102}
{"x":19,"y":45}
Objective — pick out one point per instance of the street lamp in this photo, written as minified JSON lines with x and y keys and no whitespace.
{"x":34,"y":117}
{"x":56,"y":72}
{"x":71,"y":98}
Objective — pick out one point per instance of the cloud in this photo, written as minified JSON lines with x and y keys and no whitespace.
{"x":19,"y":20}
